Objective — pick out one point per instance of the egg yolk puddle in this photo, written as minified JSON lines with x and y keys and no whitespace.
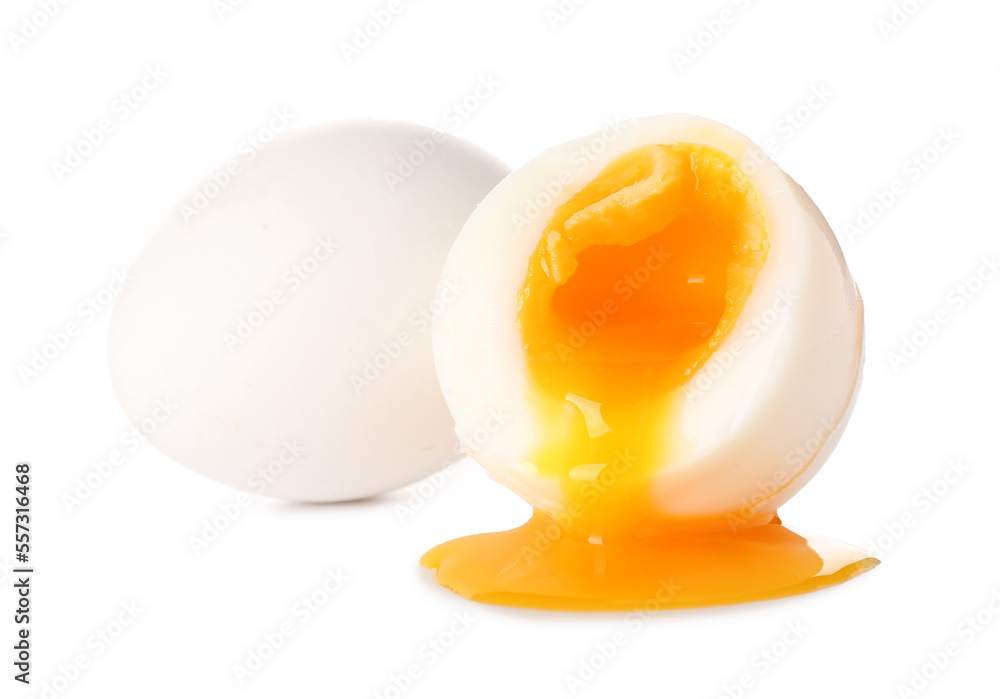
{"x":635,"y":281}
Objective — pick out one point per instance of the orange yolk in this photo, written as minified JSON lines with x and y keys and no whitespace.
{"x":635,"y":281}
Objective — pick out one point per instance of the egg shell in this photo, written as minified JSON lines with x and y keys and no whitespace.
{"x":287,"y":323}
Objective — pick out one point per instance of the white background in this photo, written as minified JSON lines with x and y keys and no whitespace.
{"x":888,"y":94}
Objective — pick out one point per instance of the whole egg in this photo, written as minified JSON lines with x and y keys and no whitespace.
{"x":281,"y":313}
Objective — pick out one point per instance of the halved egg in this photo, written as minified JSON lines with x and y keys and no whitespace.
{"x":670,"y":324}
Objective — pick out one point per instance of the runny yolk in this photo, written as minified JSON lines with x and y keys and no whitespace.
{"x":635,"y":281}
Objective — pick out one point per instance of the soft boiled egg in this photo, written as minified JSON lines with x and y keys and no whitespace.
{"x":283,"y":309}
{"x":669,"y":323}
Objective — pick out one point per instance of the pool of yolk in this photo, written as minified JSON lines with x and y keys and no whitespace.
{"x":635,"y":281}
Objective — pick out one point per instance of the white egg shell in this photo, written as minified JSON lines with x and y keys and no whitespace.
{"x":284,"y":330}
{"x":755,"y":422}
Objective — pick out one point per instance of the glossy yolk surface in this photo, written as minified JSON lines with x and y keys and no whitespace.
{"x":635,"y":281}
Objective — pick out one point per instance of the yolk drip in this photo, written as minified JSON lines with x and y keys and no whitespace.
{"x":635,"y":281}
